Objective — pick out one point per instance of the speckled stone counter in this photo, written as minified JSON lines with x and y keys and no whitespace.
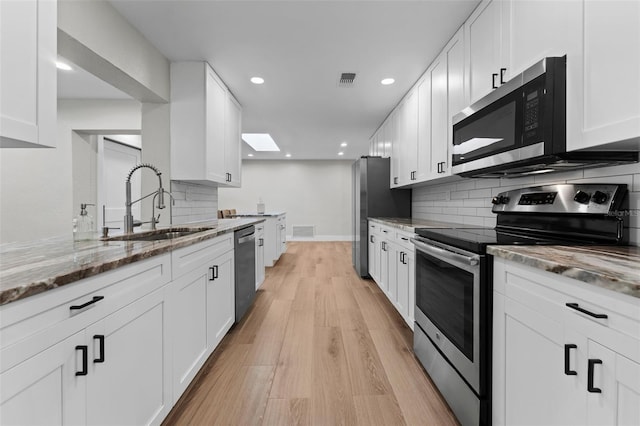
{"x":410,"y":224}
{"x":265,"y":214}
{"x":33,"y":267}
{"x":613,"y":268}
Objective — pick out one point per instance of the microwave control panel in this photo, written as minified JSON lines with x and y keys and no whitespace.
{"x":532,"y":112}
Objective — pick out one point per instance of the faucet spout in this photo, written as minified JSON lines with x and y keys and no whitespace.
{"x":128,"y":218}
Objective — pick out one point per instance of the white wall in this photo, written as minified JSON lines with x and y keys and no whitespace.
{"x":310,"y":192}
{"x":469,"y":201}
{"x":93,"y":35}
{"x":36,"y":186}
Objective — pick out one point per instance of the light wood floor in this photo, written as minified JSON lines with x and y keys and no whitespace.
{"x":320,"y":346}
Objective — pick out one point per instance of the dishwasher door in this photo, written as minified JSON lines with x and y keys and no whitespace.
{"x":245,"y":269}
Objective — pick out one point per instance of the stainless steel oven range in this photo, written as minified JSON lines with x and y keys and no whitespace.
{"x":452,"y":337}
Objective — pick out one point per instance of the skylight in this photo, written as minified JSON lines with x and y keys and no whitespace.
{"x":260,"y":141}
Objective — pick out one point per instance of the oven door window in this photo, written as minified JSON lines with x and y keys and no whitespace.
{"x":444,"y":293}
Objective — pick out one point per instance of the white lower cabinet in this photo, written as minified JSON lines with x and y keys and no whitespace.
{"x":44,"y":389}
{"x":118,"y":348}
{"x":373,"y":255}
{"x":556,"y":365}
{"x":260,"y":272}
{"x":127,"y":367}
{"x":275,"y":238}
{"x":392,"y":267}
{"x":92,"y":352}
{"x":202,"y":305}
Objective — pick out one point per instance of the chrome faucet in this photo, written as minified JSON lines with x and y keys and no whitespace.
{"x":129,"y":223}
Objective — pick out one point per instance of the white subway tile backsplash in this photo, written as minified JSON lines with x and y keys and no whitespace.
{"x":560,"y":177}
{"x":467,"y":184}
{"x":459,"y":195}
{"x":469,"y":201}
{"x":487,"y":183}
{"x":193,"y":202}
{"x":612,"y":171}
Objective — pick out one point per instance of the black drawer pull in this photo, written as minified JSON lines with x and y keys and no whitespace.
{"x":85,"y":364}
{"x":567,"y":362}
{"x":502,"y":71}
{"x":214,"y":272}
{"x":100,"y":339}
{"x":584,"y":311}
{"x":84,"y":305}
{"x":590,"y":387}
{"x":493,"y":81}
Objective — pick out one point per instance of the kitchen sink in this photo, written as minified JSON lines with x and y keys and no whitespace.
{"x":158,"y":235}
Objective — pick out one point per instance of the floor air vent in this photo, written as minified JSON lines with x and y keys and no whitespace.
{"x":347,"y":79}
{"x":304,"y":231}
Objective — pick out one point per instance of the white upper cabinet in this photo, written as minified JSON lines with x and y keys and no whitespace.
{"x":603,"y":79}
{"x":205,"y":126}
{"x":533,"y":30}
{"x":28,"y":47}
{"x":483,"y":32}
{"x":232,"y":149}
{"x":503,"y":38}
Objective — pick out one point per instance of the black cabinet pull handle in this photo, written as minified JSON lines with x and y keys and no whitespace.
{"x":567,"y":362}
{"x":395,"y":180}
{"x":100,"y":339}
{"x":84,"y":305}
{"x":502,"y":71}
{"x":584,"y":311}
{"x":590,"y":387}
{"x":371,"y":239}
{"x":85,"y":363}
{"x":214,"y":272}
{"x":493,"y":81}
{"x":260,"y":242}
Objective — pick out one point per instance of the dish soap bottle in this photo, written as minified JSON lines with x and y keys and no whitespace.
{"x":260,"y":206}
{"x":83,"y":227}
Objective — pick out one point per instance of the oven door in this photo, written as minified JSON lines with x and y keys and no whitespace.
{"x":448,"y":282}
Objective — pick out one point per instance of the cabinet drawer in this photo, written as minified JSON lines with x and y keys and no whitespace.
{"x":550,"y":293}
{"x":403,"y":239}
{"x":49,"y":316}
{"x":187,"y":258}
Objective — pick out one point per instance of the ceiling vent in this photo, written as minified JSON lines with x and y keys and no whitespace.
{"x":347,"y":79}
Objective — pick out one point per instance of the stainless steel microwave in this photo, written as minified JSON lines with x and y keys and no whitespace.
{"x":520,"y":129}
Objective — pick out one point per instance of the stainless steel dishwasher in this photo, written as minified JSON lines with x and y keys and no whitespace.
{"x":245,"y":269}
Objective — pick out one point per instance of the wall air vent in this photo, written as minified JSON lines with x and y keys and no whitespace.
{"x":304,"y":231}
{"x":347,"y":79}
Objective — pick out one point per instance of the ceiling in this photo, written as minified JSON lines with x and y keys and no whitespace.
{"x":300,"y":48}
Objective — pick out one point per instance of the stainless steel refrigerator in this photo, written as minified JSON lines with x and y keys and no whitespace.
{"x":372,"y":197}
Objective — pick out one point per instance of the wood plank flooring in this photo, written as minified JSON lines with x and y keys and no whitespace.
{"x":320,"y":346}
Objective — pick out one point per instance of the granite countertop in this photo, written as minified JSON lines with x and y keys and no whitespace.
{"x":254,"y":214}
{"x":615,"y":268}
{"x":29,"y":268}
{"x":409,"y":224}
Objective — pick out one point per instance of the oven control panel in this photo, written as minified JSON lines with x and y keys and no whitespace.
{"x":563,"y":199}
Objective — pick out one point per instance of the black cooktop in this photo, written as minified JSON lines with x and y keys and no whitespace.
{"x":476,"y":240}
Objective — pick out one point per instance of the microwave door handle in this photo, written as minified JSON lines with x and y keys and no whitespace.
{"x":446,"y":254}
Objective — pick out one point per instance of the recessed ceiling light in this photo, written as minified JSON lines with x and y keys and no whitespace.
{"x":343,"y":144}
{"x":260,"y":141}
{"x":288,"y":155}
{"x":249,"y":155}
{"x":387,"y":81}
{"x":62,"y":66}
{"x":341,"y":153}
{"x":257,"y":80}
